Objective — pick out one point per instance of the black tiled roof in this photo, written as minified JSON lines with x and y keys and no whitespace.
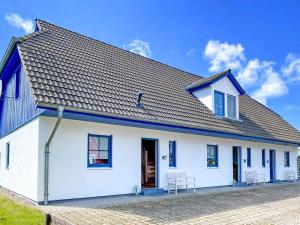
{"x":83,"y":74}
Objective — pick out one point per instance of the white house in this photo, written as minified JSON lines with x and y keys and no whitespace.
{"x":80,"y":118}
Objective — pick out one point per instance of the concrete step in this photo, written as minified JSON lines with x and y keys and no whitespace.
{"x":152,"y":191}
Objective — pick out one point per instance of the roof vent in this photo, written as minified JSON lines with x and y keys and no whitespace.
{"x":139,"y":99}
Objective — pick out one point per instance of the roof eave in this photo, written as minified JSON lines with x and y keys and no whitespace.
{"x":9,"y":50}
{"x":230,"y":77}
{"x":158,"y":123}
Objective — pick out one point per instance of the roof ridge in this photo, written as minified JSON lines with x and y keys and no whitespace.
{"x":122,"y":49}
{"x":207,"y":78}
{"x":31,"y":35}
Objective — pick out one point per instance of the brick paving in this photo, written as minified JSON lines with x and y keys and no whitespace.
{"x":277,"y":204}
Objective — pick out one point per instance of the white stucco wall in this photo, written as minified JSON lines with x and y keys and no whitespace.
{"x":21,"y":177}
{"x":206,"y":95}
{"x":70,"y":177}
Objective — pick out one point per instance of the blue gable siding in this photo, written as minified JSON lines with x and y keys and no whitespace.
{"x":15,"y":112}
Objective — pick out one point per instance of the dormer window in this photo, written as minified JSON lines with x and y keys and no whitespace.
{"x":231,"y":106}
{"x":219,"y":93}
{"x":219,"y":101}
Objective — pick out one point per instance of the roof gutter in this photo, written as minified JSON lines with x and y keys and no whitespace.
{"x":104,"y":118}
{"x":47,"y":152}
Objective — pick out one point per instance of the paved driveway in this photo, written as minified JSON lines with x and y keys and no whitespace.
{"x":279,"y":204}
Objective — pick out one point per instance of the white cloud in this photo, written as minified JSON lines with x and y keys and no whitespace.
{"x":271,"y":86}
{"x":191,"y":52}
{"x":260,"y":77}
{"x":291,"y":69}
{"x":15,"y":20}
{"x":139,"y":47}
{"x":224,"y":55}
{"x":253,"y":71}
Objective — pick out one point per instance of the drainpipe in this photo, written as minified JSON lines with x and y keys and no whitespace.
{"x":47,"y":152}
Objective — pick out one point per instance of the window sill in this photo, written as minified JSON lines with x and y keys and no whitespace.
{"x":228,"y":118}
{"x":100,"y":168}
{"x":212,"y":167}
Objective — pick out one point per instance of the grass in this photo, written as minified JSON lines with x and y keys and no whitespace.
{"x":12,"y":213}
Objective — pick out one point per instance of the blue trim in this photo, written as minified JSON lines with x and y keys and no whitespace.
{"x":156,"y":158}
{"x":216,"y":157}
{"x":109,"y":164}
{"x":228,"y":74}
{"x":216,"y":100}
{"x":173,"y":163}
{"x":11,"y":65}
{"x":156,"y":126}
{"x":248,"y":157}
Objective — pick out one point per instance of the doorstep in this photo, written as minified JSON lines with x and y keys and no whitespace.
{"x":152,"y":191}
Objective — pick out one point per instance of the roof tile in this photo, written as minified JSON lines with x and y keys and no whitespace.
{"x":66,"y":68}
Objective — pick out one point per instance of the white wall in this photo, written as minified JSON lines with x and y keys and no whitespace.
{"x":205,"y":96}
{"x":70,"y":177}
{"x":21,"y":177}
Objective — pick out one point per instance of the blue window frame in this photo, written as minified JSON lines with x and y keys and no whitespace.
{"x":99,"y":151}
{"x":248,"y":157}
{"x":212,"y":156}
{"x":219,"y":103}
{"x":287,"y":159}
{"x":231,"y":106}
{"x":263,"y":157}
{"x":7,"y":155}
{"x":172,"y":153}
{"x":17,"y":85}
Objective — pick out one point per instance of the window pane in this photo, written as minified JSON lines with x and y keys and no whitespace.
{"x":248,"y":157}
{"x":170,"y":147}
{"x":17,"y":84}
{"x":212,"y":156}
{"x":231,"y":106}
{"x":103,"y":143}
{"x":172,"y":154}
{"x":93,"y":143}
{"x":263,"y":158}
{"x":286,"y":159}
{"x":7,"y":155}
{"x":103,"y":154}
{"x":219,"y":103}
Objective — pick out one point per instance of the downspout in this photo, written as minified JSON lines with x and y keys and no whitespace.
{"x":47,"y":152}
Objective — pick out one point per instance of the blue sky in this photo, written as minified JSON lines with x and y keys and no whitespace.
{"x":258,"y":40}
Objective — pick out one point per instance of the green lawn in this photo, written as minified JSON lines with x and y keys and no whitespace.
{"x":12,"y":213}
